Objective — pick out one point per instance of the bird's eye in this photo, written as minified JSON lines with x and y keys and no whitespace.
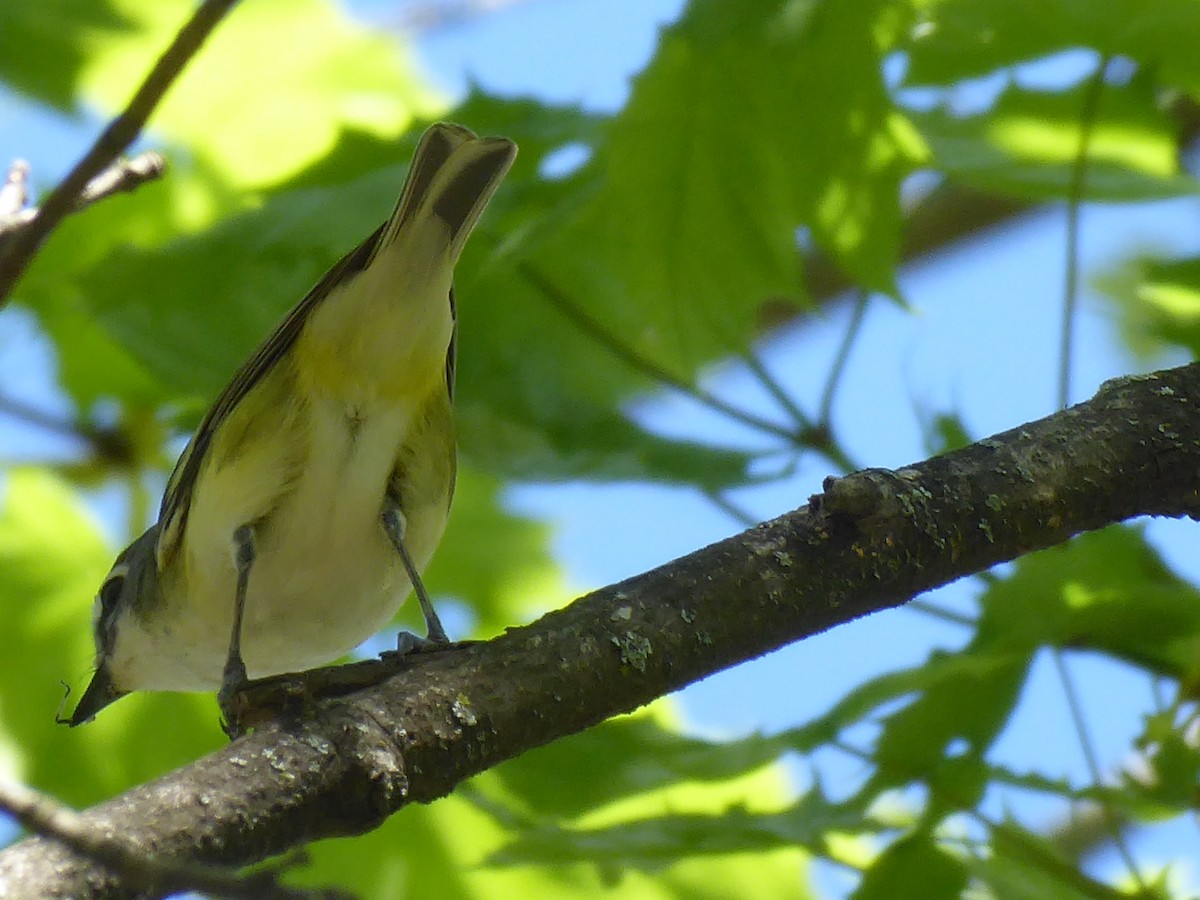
{"x":110,"y":591}
{"x":104,"y":609}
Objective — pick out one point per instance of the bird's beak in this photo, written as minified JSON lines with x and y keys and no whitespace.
{"x":100,"y":692}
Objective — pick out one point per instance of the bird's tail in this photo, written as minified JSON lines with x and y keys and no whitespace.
{"x":454,"y":174}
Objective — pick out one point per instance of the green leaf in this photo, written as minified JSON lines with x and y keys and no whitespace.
{"x":1176,"y":767}
{"x":751,"y":121}
{"x":651,"y":844}
{"x":1024,"y":866}
{"x":44,"y":44}
{"x":51,"y":560}
{"x":667,"y":809}
{"x":717,"y":184}
{"x":1107,"y":591}
{"x":960,"y":39}
{"x":556,"y":418}
{"x":1159,"y":303}
{"x":946,"y":432}
{"x":441,"y":851}
{"x":636,"y":755}
{"x":1059,"y":787}
{"x":939,"y":671}
{"x":1173,"y":761}
{"x":335,"y":80}
{"x":915,"y":739}
{"x":913,"y":867}
{"x":336,"y":75}
{"x":956,"y":783}
{"x":194,"y":336}
{"x":1027,"y":145}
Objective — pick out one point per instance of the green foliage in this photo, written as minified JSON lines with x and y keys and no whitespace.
{"x":638,"y":755}
{"x":445,"y":851}
{"x":913,"y":867}
{"x":962,"y":39}
{"x":703,"y":125}
{"x":662,"y":254}
{"x":495,"y":560}
{"x":44,"y":45}
{"x":1159,"y":301}
{"x":1108,"y":591}
{"x":1027,"y":144}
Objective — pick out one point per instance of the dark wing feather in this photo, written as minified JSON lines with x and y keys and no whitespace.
{"x":452,"y":350}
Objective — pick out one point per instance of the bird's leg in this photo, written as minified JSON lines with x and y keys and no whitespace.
{"x":394,"y":525}
{"x":234,"y":677}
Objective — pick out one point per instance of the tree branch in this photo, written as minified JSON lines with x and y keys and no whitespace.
{"x":871,"y":541}
{"x":122,"y":176}
{"x":48,"y":817}
{"x":17,"y":253}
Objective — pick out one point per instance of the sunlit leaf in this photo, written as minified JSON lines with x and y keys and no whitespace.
{"x":1159,"y":302}
{"x":941,"y":669}
{"x":1107,"y":591}
{"x":336,"y":75}
{"x":652,"y":844}
{"x":1028,"y":144}
{"x":636,"y":754}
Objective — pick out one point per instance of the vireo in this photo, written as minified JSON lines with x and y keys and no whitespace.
{"x":317,"y":486}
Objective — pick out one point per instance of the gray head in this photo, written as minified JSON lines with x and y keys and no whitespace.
{"x":130,"y":582}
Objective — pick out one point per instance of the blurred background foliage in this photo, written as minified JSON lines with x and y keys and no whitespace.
{"x":769,"y":156}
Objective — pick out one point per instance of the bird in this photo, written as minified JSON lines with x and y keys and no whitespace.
{"x":315,"y":490}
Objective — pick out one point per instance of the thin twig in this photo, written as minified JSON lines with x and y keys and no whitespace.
{"x":49,"y":818}
{"x":825,"y":410}
{"x":10,"y":406}
{"x":1111,"y":819}
{"x":754,"y":362}
{"x":120,"y":133}
{"x":110,"y":444}
{"x":731,"y":509}
{"x":1075,"y":196}
{"x":1087,"y":122}
{"x":121,"y":177}
{"x":817,"y":437}
{"x":652,"y":370}
{"x":937,"y":611}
